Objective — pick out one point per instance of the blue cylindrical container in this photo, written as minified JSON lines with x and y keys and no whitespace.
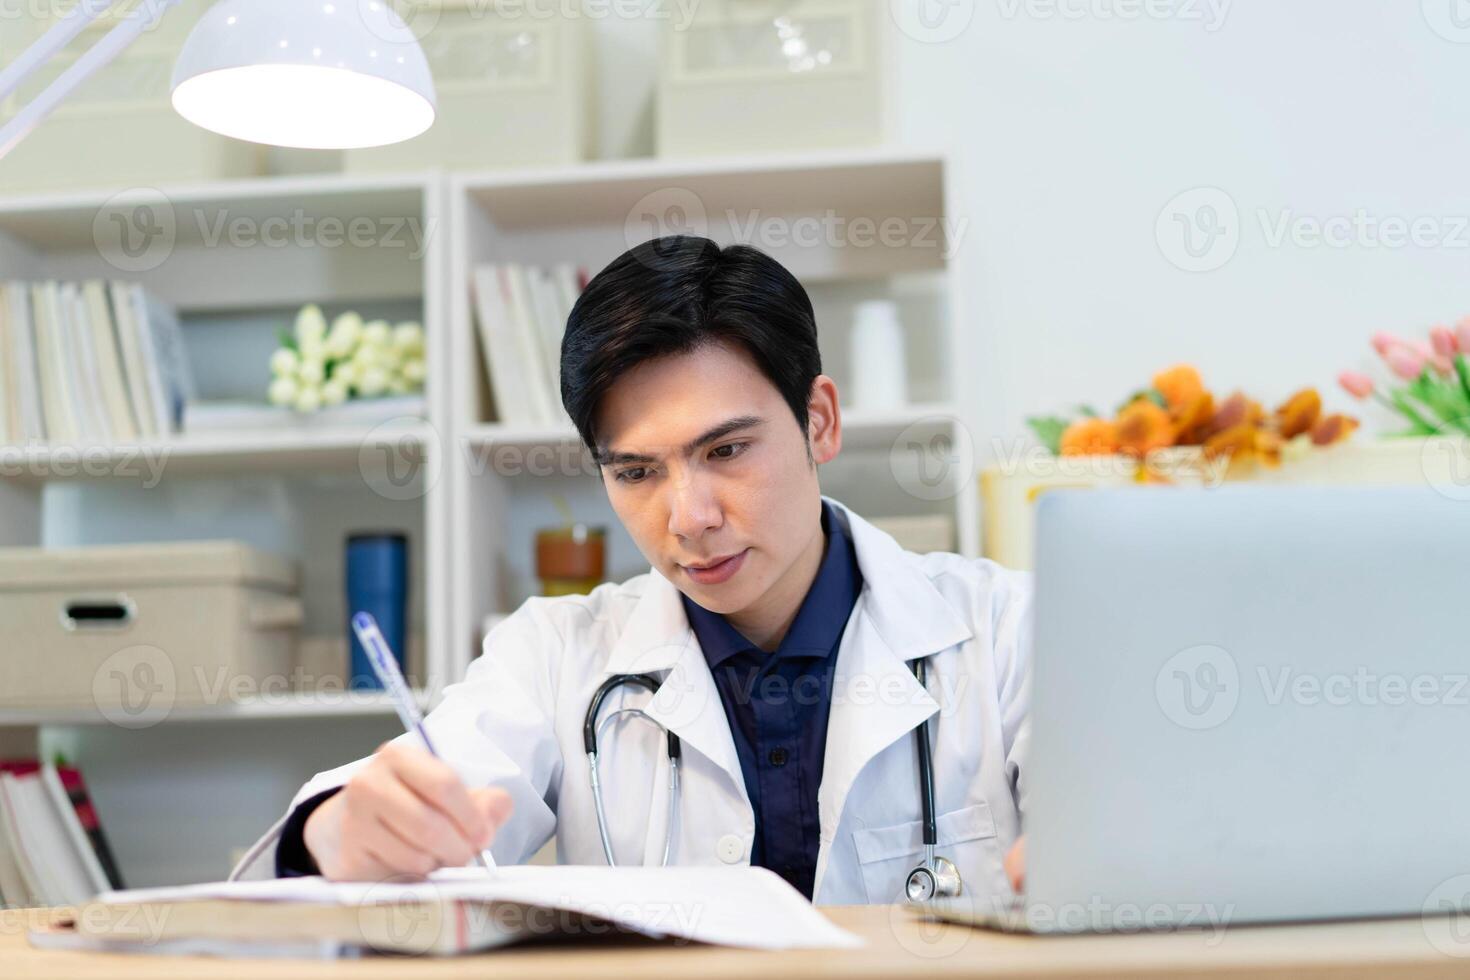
{"x":377,"y":583}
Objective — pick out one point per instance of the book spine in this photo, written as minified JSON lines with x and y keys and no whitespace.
{"x":81,"y":801}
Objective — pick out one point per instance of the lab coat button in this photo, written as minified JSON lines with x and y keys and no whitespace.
{"x":730,"y":849}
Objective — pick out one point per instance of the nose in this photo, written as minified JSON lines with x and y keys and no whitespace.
{"x":693,"y":506}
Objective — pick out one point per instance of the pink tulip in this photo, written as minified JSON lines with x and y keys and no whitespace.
{"x":1443,"y":339}
{"x":1356,"y":384}
{"x":1462,"y":334}
{"x":1383,"y":342}
{"x":1406,"y":362}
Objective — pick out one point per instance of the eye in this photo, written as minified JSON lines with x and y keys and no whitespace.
{"x":632,"y":475}
{"x":736,"y":448}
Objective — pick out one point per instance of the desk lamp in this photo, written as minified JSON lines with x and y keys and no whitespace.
{"x":318,"y":74}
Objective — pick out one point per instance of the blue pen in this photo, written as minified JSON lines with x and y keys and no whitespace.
{"x":385,"y":665}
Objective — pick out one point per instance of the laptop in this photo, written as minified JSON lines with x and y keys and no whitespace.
{"x":1250,"y":704}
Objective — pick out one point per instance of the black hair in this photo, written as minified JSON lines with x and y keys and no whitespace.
{"x":675,"y":295}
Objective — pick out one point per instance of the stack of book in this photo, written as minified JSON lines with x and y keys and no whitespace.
{"x":52,"y":851}
{"x":88,"y":363}
{"x":522,"y":312}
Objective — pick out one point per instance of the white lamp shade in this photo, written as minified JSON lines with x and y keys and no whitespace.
{"x":320,"y":74}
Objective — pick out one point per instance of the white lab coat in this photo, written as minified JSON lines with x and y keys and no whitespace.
{"x":516,"y":722}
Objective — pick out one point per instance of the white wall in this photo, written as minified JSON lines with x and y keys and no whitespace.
{"x":1077,"y":129}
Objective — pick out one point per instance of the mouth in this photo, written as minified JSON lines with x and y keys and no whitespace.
{"x":716,"y":571}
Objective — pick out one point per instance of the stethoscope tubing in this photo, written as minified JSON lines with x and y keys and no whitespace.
{"x":591,"y":733}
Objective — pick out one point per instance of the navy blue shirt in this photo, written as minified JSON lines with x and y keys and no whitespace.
{"x":777,"y":704}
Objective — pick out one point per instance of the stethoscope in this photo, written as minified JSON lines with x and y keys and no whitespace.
{"x":590,"y":734}
{"x":936,"y":877}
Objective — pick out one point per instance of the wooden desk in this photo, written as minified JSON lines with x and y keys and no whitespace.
{"x":898,"y":946}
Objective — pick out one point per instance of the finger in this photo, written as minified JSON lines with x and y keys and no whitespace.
{"x":440,"y":786}
{"x":495,"y":806}
{"x":420,"y":825}
{"x":1015,"y":865}
{"x":361,"y":866}
{"x":395,"y":855}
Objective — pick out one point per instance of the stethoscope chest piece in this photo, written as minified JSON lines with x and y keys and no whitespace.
{"x":938,"y":878}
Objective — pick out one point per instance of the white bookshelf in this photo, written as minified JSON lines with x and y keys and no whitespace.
{"x":471,"y":522}
{"x":505,"y":477}
{"x":179,"y":798}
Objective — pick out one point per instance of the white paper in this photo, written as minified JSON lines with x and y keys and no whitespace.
{"x":742,"y":906}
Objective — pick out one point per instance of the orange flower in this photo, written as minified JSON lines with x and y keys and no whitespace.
{"x":1333,"y":428}
{"x":1299,"y":413}
{"x":1090,"y":437}
{"x":1143,"y":427}
{"x":1180,"y":385}
{"x":1227,"y":442}
{"x":1236,"y":410}
{"x":1268,"y":447}
{"x":1192,"y":423}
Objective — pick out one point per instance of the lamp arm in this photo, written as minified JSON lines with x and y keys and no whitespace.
{"x":96,"y":57}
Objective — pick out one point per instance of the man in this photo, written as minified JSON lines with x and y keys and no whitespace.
{"x":780,"y":629}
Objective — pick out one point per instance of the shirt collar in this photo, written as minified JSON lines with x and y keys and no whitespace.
{"x":819,"y":622}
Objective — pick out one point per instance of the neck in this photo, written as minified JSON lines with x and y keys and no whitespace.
{"x":766,"y":621}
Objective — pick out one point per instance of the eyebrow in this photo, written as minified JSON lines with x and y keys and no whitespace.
{"x":610,"y":457}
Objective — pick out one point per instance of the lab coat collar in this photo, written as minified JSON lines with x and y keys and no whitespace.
{"x":657,"y":637}
{"x":906,"y":609}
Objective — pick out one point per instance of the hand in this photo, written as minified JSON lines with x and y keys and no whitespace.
{"x":405,"y":812}
{"x":1016,"y":864}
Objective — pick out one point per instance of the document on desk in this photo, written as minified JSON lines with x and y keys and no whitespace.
{"x":467,"y":909}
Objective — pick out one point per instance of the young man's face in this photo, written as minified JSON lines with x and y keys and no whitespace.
{"x":707,"y":463}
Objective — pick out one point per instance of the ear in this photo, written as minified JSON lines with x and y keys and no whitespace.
{"x":824,"y":419}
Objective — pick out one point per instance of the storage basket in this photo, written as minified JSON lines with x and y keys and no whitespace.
{"x":757,"y":75}
{"x":112,"y":626}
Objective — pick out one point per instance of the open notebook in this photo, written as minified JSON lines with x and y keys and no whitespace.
{"x":455,"y":910}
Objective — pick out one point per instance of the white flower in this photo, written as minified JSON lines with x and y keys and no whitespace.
{"x":283,"y":362}
{"x":345,"y":372}
{"x":414,"y":371}
{"x":282,"y":391}
{"x":398,"y":386}
{"x":312,"y":349}
{"x":312,"y":372}
{"x":377,"y":333}
{"x":310,"y":324}
{"x":308,"y":399}
{"x":373,"y":381}
{"x":346,"y":332}
{"x":349,"y":323}
{"x":334,"y":392}
{"x":366,"y":357}
{"x":408,"y":337}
